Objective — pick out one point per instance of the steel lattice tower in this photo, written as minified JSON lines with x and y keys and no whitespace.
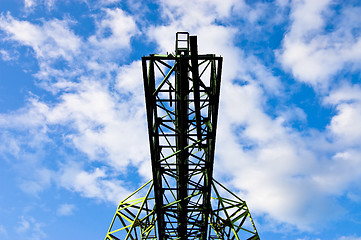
{"x":183,"y":201}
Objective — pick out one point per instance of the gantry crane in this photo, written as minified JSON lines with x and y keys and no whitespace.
{"x":182,"y":201}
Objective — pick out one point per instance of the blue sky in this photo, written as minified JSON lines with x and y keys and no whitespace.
{"x":73,"y":137}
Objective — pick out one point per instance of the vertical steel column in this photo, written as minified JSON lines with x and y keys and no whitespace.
{"x":181,"y":113}
{"x":153,"y":123}
{"x":195,"y":77}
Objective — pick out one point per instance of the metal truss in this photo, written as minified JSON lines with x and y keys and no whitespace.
{"x":229,"y":217}
{"x":182,"y":97}
{"x":135,"y":217}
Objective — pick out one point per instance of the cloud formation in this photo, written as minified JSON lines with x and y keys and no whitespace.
{"x":66,"y":209}
{"x":314,"y":55}
{"x":95,"y":112}
{"x":289,"y":175}
{"x":30,"y":228}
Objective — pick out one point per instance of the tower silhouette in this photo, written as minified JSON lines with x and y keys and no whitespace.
{"x":182,"y":201}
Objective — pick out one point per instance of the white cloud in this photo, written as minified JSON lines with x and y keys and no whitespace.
{"x":66,"y":209}
{"x":184,"y":11}
{"x":30,"y":116}
{"x":97,"y":109}
{"x":339,"y":172}
{"x":109,"y":129}
{"x":269,"y":163}
{"x":109,"y":2}
{"x":32,"y":4}
{"x":24,"y":150}
{"x":346,"y":93}
{"x":24,"y":225}
{"x":50,"y":41}
{"x":40,"y":179}
{"x":279,"y":171}
{"x":93,"y":184}
{"x":114,"y":32}
{"x":30,"y":228}
{"x":283,"y":3}
{"x":54,"y":42}
{"x":306,"y":16}
{"x":314,"y":54}
{"x":344,"y":125}
{"x":88,"y":105}
{"x":195,"y":17}
{"x":129,"y":79}
{"x":29,"y":3}
{"x":349,"y":238}
{"x":105,"y":126}
{"x":7,"y":56}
